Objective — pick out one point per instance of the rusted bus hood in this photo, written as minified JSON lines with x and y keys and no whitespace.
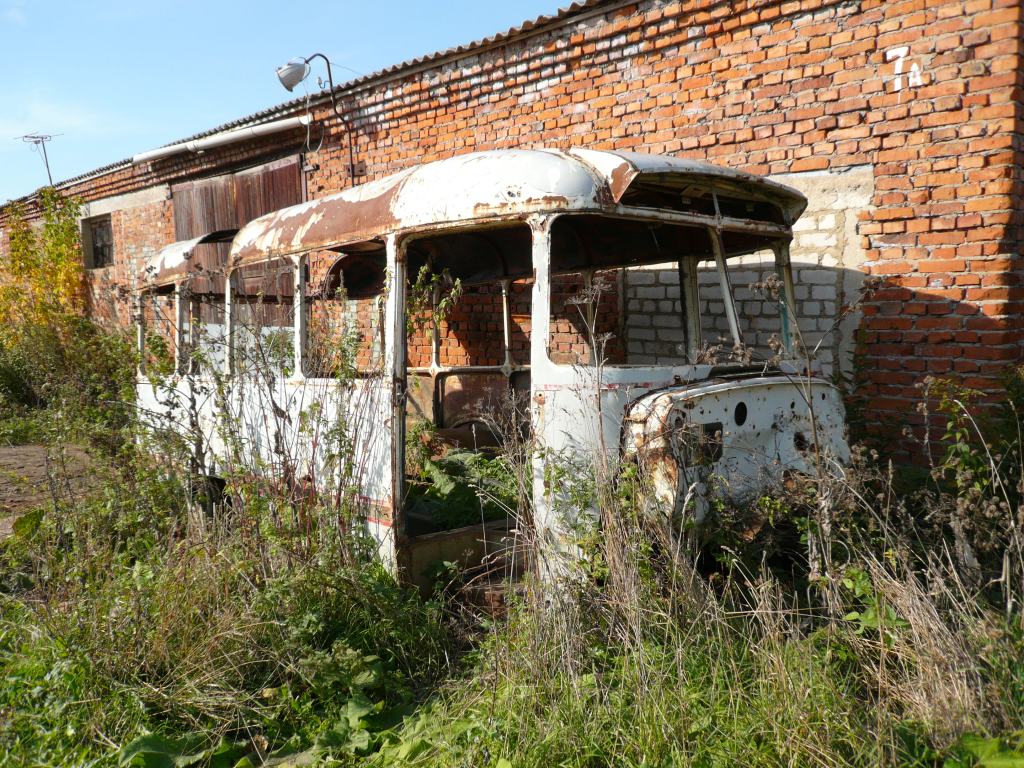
{"x":477,"y":186}
{"x":738,"y":437}
{"x":174,"y":262}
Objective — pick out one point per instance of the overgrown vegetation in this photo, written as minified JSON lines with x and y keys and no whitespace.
{"x":152,"y":621}
{"x":52,"y":358}
{"x":450,"y":488}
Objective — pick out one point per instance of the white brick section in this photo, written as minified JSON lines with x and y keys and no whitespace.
{"x":826,"y":243}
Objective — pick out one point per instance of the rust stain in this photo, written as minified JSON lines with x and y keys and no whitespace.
{"x":323,"y":223}
{"x":521,"y":206}
{"x":621,"y":177}
{"x":174,"y":262}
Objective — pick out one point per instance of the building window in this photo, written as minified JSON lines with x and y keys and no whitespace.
{"x":97,"y":242}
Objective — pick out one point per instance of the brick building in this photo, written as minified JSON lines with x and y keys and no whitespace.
{"x":901,"y":120}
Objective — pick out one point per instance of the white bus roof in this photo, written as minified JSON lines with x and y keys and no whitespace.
{"x":486,"y":186}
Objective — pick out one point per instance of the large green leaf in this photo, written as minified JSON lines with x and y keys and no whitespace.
{"x":226,"y":755}
{"x":156,"y":751}
{"x":981,"y":752}
{"x":27,"y":524}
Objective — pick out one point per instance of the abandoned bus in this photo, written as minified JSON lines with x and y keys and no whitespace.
{"x":382,"y":342}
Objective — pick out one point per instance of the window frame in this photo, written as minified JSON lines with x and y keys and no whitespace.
{"x":298,"y":336}
{"x":304,"y":315}
{"x":88,"y":227}
{"x":148,"y":294}
{"x":687,"y":266}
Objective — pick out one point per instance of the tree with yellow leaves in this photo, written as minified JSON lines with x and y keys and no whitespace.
{"x":42,"y":279}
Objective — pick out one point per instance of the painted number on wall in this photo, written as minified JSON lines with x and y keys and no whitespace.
{"x":913,"y":74}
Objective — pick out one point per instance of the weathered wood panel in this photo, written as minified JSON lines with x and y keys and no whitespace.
{"x":230,"y":201}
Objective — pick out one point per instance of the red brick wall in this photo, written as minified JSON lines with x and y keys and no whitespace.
{"x":139,"y":232}
{"x":772,"y":87}
{"x":471,"y":331}
{"x":574,"y":308}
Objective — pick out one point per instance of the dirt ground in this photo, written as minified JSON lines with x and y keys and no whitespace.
{"x":29,"y":478}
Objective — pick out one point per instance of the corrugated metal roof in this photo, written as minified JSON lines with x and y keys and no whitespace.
{"x":282,"y":110}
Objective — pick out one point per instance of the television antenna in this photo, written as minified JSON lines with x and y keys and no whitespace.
{"x":38,"y":140}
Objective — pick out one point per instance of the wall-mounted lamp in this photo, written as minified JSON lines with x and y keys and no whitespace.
{"x":297,"y":70}
{"x":293,"y":73}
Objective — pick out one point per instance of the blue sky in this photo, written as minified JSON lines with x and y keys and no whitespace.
{"x":117,"y":77}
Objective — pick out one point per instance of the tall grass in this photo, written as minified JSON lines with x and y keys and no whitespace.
{"x":889,"y":660}
{"x":904,"y":647}
{"x":117,"y":614}
{"x":263,"y":633}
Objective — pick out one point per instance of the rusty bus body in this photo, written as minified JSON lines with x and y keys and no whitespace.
{"x":533,"y":237}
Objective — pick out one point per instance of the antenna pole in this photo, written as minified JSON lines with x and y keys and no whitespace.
{"x":46,"y":162}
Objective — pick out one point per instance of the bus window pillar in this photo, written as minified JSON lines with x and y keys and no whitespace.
{"x":553,"y":554}
{"x":787,"y":298}
{"x":395,"y":375}
{"x":300,"y":310}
